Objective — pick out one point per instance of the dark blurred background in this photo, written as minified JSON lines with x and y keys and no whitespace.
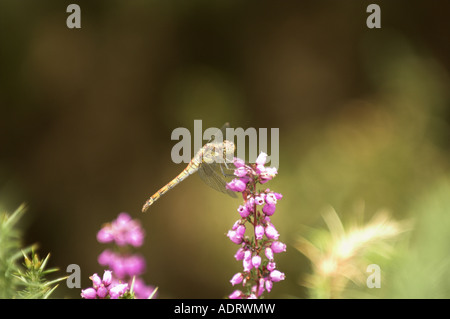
{"x":86,"y":117}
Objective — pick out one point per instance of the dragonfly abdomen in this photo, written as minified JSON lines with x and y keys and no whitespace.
{"x":190,"y":169}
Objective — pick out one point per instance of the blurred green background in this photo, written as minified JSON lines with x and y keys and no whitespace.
{"x":364,"y":116}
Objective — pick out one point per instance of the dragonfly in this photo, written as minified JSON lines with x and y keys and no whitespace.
{"x":211,"y":164}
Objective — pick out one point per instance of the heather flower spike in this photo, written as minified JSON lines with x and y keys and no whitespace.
{"x":104,"y":288}
{"x":257,"y":253}
{"x":121,"y":280}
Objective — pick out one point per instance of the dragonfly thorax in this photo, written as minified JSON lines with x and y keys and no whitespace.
{"x":217,"y":152}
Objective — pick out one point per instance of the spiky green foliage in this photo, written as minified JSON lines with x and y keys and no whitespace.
{"x":9,"y":251}
{"x":36,"y":286}
{"x":16,"y":281}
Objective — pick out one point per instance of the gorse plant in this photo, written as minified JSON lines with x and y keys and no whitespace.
{"x":28,"y":280}
{"x":9,"y":251}
{"x":36,"y":286}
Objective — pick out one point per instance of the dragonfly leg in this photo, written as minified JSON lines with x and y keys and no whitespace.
{"x":223,"y":172}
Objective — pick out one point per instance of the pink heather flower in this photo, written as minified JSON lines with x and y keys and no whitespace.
{"x":269,"y":209}
{"x":89,"y":293}
{"x":107,"y":277}
{"x":271,"y":265}
{"x":250,"y":204}
{"x":238,"y":162}
{"x":247,"y":254}
{"x":127,"y":266}
{"x":247,"y":264}
{"x":240,"y":231}
{"x":102,"y":291}
{"x":105,"y":235}
{"x":117,"y":265}
{"x":271,"y":199}
{"x":261,"y":159}
{"x":271,"y":232}
{"x":96,"y":280}
{"x":271,"y":172}
{"x":269,"y":285}
{"x":261,"y":286}
{"x":276,"y":275}
{"x":240,"y":171}
{"x":243,"y":211}
{"x":237,"y":185}
{"x":256,"y":261}
{"x":259,"y":200}
{"x":260,"y":162}
{"x":268,"y":174}
{"x":123,"y":230}
{"x":106,"y":257}
{"x":122,"y":220}
{"x":135,"y":237}
{"x":278,"y":247}
{"x":237,"y":294}
{"x":118,"y":291}
{"x":237,"y":279}
{"x":269,"y":253}
{"x":240,"y":254}
{"x":234,"y":237}
{"x":278,"y":195}
{"x":260,"y":169}
{"x":134,"y":265}
{"x":236,"y":224}
{"x":259,"y":232}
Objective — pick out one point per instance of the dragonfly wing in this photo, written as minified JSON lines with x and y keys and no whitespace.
{"x":208,"y":173}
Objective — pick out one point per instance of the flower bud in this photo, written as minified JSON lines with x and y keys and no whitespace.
{"x":237,"y":279}
{"x":278,"y":247}
{"x":237,"y":294}
{"x":238,"y":162}
{"x":118,"y":290}
{"x":269,"y":253}
{"x":269,"y":285}
{"x":240,"y":254}
{"x":261,"y":159}
{"x":243,"y":211}
{"x":107,"y":277}
{"x":271,"y":232}
{"x":269,"y":209}
{"x":247,"y":264}
{"x":276,"y":275}
{"x":259,"y":200}
{"x":271,"y":265}
{"x":102,"y":291}
{"x":240,"y":171}
{"x":271,"y":199}
{"x":256,"y":261}
{"x":105,"y":235}
{"x":96,"y":281}
{"x":240,"y":231}
{"x":89,"y":293}
{"x":259,"y":232}
{"x":234,"y":237}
